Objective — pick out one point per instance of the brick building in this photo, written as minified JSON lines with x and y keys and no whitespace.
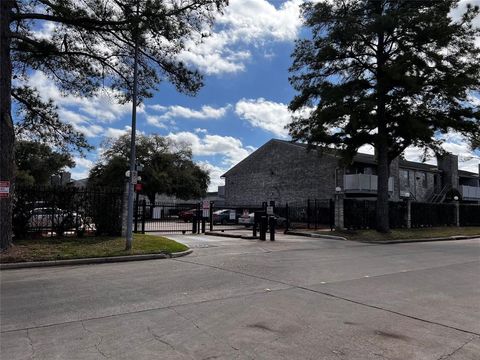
{"x":284,"y":171}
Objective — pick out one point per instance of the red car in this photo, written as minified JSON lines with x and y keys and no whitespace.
{"x":187,"y":215}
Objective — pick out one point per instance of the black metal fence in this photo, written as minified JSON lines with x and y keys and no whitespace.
{"x":433,"y":214}
{"x":66,"y":211}
{"x":361,"y":214}
{"x":310,"y":214}
{"x":469,"y":215}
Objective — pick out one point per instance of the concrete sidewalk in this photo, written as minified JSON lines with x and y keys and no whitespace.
{"x":296,"y":298}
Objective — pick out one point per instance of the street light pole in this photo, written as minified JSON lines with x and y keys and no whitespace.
{"x":129,"y":236}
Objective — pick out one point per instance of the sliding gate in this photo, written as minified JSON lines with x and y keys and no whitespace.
{"x":165,"y":217}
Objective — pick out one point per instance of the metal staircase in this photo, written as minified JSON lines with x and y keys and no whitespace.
{"x":440,"y":196}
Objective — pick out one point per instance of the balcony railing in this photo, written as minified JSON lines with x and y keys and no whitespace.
{"x":363,"y":183}
{"x":470,"y":192}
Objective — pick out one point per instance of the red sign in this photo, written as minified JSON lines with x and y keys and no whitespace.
{"x":138,"y":187}
{"x":4,"y":189}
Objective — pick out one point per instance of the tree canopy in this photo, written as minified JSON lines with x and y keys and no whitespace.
{"x":85,"y":46}
{"x":167,"y":167}
{"x":36,"y":163}
{"x":390,"y":73}
{"x":90,"y":45}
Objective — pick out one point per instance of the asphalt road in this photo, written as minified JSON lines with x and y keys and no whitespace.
{"x":296,"y":298}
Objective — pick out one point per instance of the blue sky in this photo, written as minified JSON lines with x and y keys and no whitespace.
{"x":242,"y":105}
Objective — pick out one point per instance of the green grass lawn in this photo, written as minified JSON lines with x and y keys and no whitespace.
{"x":87,"y":247}
{"x":405,"y":234}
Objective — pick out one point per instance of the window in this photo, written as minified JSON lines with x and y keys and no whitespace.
{"x":404,"y":180}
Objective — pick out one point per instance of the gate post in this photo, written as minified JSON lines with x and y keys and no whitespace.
{"x":287,"y":218}
{"x":308,"y":213}
{"x":457,"y":213}
{"x":210,"y":216}
{"x":144,"y":211}
{"x":194,"y":224}
{"x":135,"y":207}
{"x":331,"y":214}
{"x":199,"y":217}
{"x":409,"y":213}
{"x":339,"y":214}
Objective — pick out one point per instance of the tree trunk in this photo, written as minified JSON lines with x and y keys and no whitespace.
{"x":7,"y":136}
{"x":383,"y":173}
{"x":381,"y":145}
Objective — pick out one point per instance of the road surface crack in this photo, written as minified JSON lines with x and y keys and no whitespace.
{"x":333,"y":296}
{"x":30,"y":343}
{"x":100,"y":340}
{"x":205,"y":331}
{"x":159,"y":339}
{"x":446,"y":356}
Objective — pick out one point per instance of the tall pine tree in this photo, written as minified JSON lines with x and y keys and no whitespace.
{"x":390,"y":73}
{"x":90,"y":46}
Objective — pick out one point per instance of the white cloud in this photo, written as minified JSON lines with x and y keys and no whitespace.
{"x":460,"y":10}
{"x":46,"y":31}
{"x":82,"y":168}
{"x":176,"y":111}
{"x":215,"y":174}
{"x":268,"y":115}
{"x":230,"y":149}
{"x":244,"y":22}
{"x":85,"y":114}
{"x":454,"y":143}
{"x":156,"y":121}
{"x":116,"y":133}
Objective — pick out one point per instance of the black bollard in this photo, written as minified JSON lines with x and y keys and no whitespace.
{"x":263,"y":228}
{"x":271,"y":223}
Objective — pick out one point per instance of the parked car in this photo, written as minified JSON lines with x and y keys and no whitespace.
{"x":246,"y":220}
{"x":187,"y":215}
{"x":54,"y":219}
{"x":223,"y":217}
{"x":249,"y":220}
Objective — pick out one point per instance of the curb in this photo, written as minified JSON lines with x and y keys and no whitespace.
{"x":221,"y":234}
{"x":87,"y":261}
{"x":448,"y":238}
{"x":316,"y":235}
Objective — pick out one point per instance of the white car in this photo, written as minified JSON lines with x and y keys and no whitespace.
{"x":249,"y":220}
{"x":48,"y":217}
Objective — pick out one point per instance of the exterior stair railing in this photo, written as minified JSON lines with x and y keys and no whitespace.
{"x":440,"y":196}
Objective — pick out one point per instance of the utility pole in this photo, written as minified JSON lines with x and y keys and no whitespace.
{"x":129,"y":236}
